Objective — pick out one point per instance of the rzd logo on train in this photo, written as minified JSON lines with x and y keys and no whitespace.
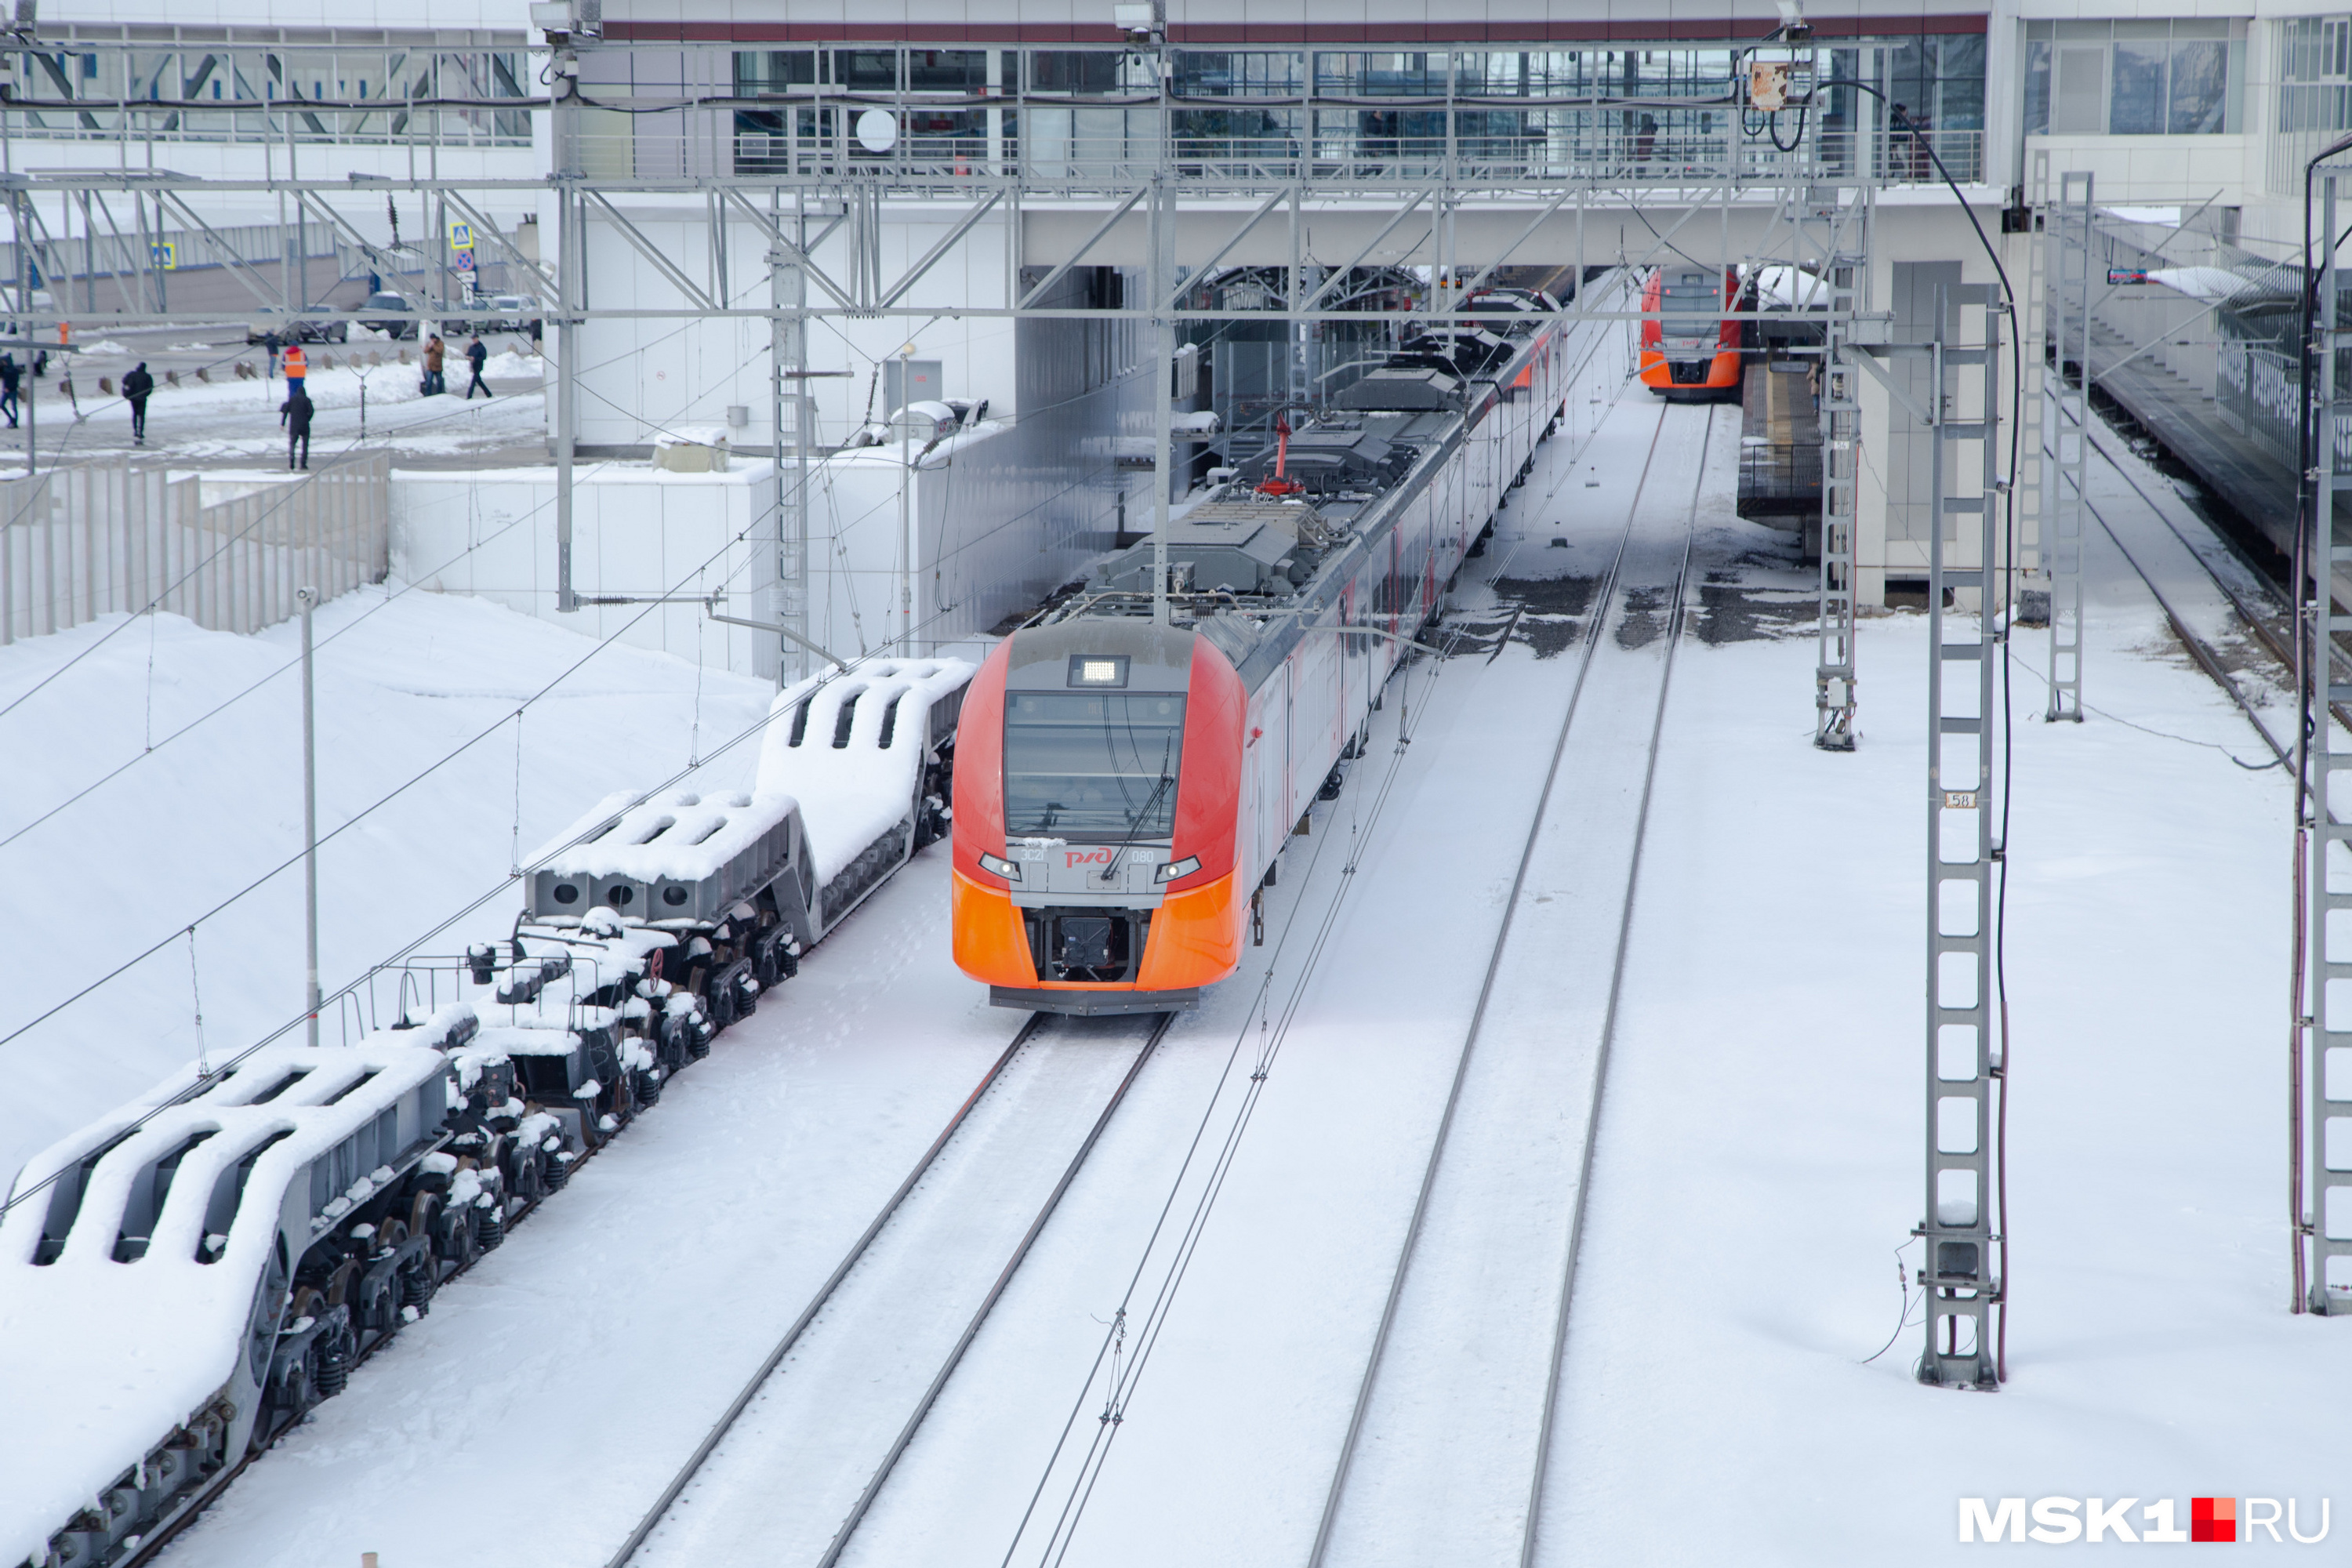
{"x":1073,"y":858}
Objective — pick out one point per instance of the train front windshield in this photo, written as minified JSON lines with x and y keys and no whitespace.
{"x":1091,"y":767}
{"x":1690,"y":306}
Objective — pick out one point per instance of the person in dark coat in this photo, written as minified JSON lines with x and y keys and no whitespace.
{"x":477,"y":356}
{"x":295,"y":415}
{"x":137,"y":387}
{"x":11,"y":375}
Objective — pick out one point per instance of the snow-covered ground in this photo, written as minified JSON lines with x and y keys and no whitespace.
{"x":1757,"y":1170}
{"x":403,"y":679}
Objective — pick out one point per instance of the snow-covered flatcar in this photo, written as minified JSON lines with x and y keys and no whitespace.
{"x":1126,"y":787}
{"x":186,"y":1278}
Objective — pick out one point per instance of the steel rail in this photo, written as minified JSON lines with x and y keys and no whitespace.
{"x":1675,"y":618}
{"x":2254,"y":621}
{"x":858,"y":1250}
{"x":2199,"y":650}
{"x":1604,"y":598}
{"x":1004,"y":1276}
{"x":696,"y":1462}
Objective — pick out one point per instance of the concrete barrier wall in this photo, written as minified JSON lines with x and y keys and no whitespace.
{"x":637,"y":533}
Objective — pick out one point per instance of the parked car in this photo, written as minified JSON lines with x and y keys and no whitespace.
{"x":502,"y":313}
{"x":276,"y":330}
{"x":390,"y":326}
{"x":45,"y":306}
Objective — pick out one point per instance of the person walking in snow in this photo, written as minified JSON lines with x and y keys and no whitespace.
{"x":433,"y":351}
{"x":477,"y":355}
{"x":298,"y":368}
{"x":295,"y":415}
{"x":11,"y":375}
{"x":137,"y":387}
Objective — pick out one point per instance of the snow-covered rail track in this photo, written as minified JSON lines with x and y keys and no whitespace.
{"x":2155,"y":560}
{"x":790,"y":1469}
{"x":1464,"y":1366}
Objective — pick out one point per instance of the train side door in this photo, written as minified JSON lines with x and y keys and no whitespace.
{"x":1269,"y":764}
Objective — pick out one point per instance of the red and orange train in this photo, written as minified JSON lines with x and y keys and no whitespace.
{"x":1690,"y":353}
{"x":1124,"y":787}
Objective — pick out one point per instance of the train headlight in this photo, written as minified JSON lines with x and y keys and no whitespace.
{"x":1002,"y":868}
{"x":1185,"y":868}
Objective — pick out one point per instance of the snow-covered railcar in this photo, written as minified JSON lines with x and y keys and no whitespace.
{"x":1126,"y":787}
{"x":192,"y":1273}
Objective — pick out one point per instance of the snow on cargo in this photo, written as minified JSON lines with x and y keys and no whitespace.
{"x":854,"y":749}
{"x":674,"y":856}
{"x":140,"y":1292}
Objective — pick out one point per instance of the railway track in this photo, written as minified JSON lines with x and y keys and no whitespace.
{"x":1425,"y":1359}
{"x":2261,"y":622}
{"x":841,"y":1396}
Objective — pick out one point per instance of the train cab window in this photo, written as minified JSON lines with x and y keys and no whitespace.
{"x":1692,"y":305}
{"x":1092,"y":767}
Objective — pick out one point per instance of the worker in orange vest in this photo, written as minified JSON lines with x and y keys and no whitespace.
{"x":296,"y":369}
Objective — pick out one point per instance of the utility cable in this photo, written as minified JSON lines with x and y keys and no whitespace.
{"x":407,"y":949}
{"x":1090,"y":1462}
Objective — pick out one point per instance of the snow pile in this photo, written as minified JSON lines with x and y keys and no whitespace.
{"x":106,"y":1357}
{"x":852,"y":793}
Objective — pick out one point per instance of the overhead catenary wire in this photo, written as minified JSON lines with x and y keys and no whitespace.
{"x":504,"y":883}
{"x":390,"y":597}
{"x":1603,"y":596}
{"x":609,"y":640}
{"x":1173,"y":1273}
{"x":406,"y":950}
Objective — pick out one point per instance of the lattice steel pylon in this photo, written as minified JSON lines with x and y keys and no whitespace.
{"x":2323,"y":1207}
{"x":2027,"y":568}
{"x":1844,"y":266}
{"x":788,"y":406}
{"x":2065,"y":436}
{"x":1959,"y":1271}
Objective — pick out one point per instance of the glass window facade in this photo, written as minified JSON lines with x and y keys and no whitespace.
{"x":336,"y":95}
{"x":1657,"y":111}
{"x":2181,"y":77}
{"x":2315,"y":55}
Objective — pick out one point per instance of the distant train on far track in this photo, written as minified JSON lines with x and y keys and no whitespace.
{"x":1124,"y":788}
{"x":1690,"y":353}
